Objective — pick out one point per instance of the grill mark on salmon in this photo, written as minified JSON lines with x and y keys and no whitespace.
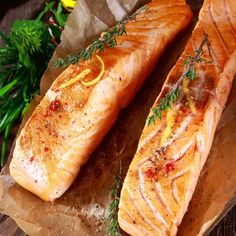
{"x":145,"y":197}
{"x":176,"y":171}
{"x":174,"y":192}
{"x":144,"y":194}
{"x":140,"y":226}
{"x":182,"y":152}
{"x":218,"y":33}
{"x":162,"y":199}
{"x":174,"y":138}
{"x":229,"y":20}
{"x":149,"y":138}
{"x":145,"y":160}
{"x":136,"y":205}
{"x":87,"y":113}
{"x":131,"y":208}
{"x":174,"y":189}
{"x":177,"y":132}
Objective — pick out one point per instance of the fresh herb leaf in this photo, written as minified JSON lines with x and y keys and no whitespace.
{"x":4,"y":143}
{"x":165,"y":104}
{"x":60,"y":17}
{"x":6,"y":88}
{"x":113,"y":225}
{"x":113,"y":228}
{"x":107,"y":39}
{"x":23,"y":60}
{"x":27,"y":37}
{"x":189,"y":72}
{"x":56,"y":23}
{"x":48,"y":7}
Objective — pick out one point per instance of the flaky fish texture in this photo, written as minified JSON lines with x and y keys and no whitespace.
{"x":171,"y":153}
{"x":84,"y":101}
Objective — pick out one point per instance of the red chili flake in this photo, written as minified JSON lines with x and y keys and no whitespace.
{"x":47,"y":114}
{"x":151,"y":173}
{"x":185,"y":110}
{"x":31,"y":159}
{"x":53,"y":133}
{"x":179,"y":118}
{"x":46,"y":149}
{"x":169,"y":167}
{"x":55,"y":105}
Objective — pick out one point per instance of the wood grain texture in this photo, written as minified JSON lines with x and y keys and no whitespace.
{"x":16,"y":9}
{"x":227,"y":226}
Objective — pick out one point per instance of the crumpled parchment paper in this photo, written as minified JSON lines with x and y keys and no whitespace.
{"x":83,"y":209}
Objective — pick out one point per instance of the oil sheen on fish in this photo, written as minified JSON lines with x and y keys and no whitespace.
{"x":171,"y":153}
{"x":84,"y":101}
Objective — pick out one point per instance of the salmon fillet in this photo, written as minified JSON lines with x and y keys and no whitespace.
{"x":171,"y":153}
{"x":73,"y":117}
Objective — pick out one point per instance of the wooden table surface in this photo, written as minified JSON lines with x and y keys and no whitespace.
{"x":21,"y":9}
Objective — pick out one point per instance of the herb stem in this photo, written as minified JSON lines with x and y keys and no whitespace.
{"x":4,"y":143}
{"x":107,"y":39}
{"x":190,"y":66}
{"x":171,"y":97}
{"x":113,"y":225}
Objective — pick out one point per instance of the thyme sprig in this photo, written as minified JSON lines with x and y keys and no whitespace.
{"x":113,"y":228}
{"x":107,"y":39}
{"x":189,"y":72}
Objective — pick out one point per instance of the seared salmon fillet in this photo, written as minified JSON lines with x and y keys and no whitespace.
{"x":174,"y":147}
{"x":84,"y":101}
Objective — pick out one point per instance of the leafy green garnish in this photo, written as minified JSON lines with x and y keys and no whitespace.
{"x":189,"y":72}
{"x":60,"y":17}
{"x":107,"y":39}
{"x":164,"y":105}
{"x":113,"y":225}
{"x":48,"y":7}
{"x":23,"y":60}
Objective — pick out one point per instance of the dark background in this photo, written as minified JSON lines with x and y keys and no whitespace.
{"x":21,"y":9}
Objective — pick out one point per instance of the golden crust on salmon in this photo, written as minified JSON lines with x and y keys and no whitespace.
{"x":172,"y":151}
{"x":84,"y":101}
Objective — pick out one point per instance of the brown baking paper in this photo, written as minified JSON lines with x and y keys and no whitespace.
{"x":83,"y":209}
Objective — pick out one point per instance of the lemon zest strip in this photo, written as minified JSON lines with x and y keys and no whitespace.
{"x":92,"y":82}
{"x":190,"y":100}
{"x":76,"y":78}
